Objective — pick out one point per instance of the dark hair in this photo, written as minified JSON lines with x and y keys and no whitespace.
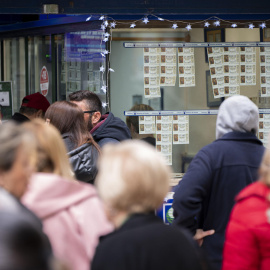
{"x":92,"y":100}
{"x":67,"y":117}
{"x":134,"y":120}
{"x":29,"y":111}
{"x":23,"y":246}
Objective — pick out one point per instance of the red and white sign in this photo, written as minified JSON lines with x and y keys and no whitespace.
{"x":44,"y":81}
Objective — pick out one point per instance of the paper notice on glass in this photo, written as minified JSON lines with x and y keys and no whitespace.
{"x":147,"y":124}
{"x":186,"y":81}
{"x":186,"y":67}
{"x":265,"y":81}
{"x":151,"y":72}
{"x":218,"y":92}
{"x":164,"y":138}
{"x":180,"y":129}
{"x":265,"y":92}
{"x":180,"y":138}
{"x":152,"y":92}
{"x":151,"y":51}
{"x":167,"y":66}
{"x":167,"y":81}
{"x":164,"y":124}
{"x":216,"y":66}
{"x":218,"y":70}
{"x":231,"y":69}
{"x":180,"y":119}
{"x":186,"y":70}
{"x":231,"y":90}
{"x":164,"y":119}
{"x":168,"y":59}
{"x":215,"y":50}
{"x":265,"y":71}
{"x":167,"y":157}
{"x":72,"y":74}
{"x":4,"y":99}
{"x":164,"y":148}
{"x":215,"y":60}
{"x":151,"y":82}
{"x":248,"y":66}
{"x":264,"y":128}
{"x":164,"y":128}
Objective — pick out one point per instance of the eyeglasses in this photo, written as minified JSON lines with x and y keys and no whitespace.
{"x":90,"y":111}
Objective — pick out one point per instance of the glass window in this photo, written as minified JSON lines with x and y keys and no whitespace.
{"x":79,"y":61}
{"x":40,"y":65}
{"x":14,"y":60}
{"x":186,"y":84}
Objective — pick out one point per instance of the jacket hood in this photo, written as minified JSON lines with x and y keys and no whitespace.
{"x":48,"y":194}
{"x":258,"y":189}
{"x":113,"y":127}
{"x":237,"y":113}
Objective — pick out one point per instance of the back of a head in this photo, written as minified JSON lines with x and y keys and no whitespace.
{"x":33,"y":103}
{"x":134,"y":120}
{"x":22,"y":245}
{"x":237,"y":113}
{"x":67,"y":117}
{"x":12,"y":137}
{"x":51,"y":151}
{"x":91,"y":99}
{"x":132,"y":177}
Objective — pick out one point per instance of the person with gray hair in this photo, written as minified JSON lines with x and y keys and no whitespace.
{"x":133,"y":180}
{"x":204,"y":198}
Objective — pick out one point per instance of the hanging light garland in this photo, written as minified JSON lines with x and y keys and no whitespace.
{"x":218,"y":22}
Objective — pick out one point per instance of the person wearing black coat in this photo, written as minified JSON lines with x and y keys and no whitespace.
{"x":83,"y":159}
{"x":205,"y":196}
{"x":132,"y":182}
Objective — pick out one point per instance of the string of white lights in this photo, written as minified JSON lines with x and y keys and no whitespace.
{"x":111,"y":23}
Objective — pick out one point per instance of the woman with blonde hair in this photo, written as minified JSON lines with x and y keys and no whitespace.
{"x":83,"y":151}
{"x":132,"y":181}
{"x":71,"y":212}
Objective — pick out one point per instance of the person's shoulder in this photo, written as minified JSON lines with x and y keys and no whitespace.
{"x":146,"y":233}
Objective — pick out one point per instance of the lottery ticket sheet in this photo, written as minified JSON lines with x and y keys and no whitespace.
{"x":265,"y":71}
{"x":186,"y":67}
{"x":147,"y":124}
{"x":164,"y":137}
{"x":264,"y":128}
{"x":151,"y":58}
{"x":247,"y":66}
{"x":180,"y":129}
{"x":167,"y":66}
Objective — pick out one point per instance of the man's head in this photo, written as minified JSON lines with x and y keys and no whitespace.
{"x":90,"y":104}
{"x":34,"y":106}
{"x":237,"y":113}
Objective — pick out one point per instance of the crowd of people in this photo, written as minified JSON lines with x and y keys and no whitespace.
{"x":77,"y":193}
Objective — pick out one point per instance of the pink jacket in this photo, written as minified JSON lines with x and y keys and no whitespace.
{"x":72,"y":216}
{"x":247,"y":245}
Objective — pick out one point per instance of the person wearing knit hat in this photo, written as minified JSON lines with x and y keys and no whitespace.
{"x":205,"y":196}
{"x":33,"y":106}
